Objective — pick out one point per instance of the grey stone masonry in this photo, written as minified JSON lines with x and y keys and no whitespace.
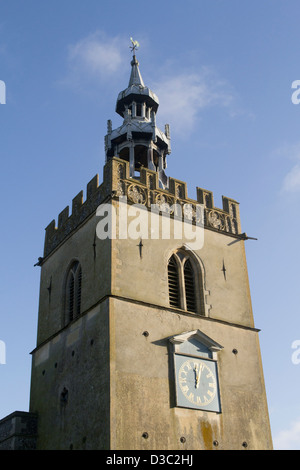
{"x":18,"y":431}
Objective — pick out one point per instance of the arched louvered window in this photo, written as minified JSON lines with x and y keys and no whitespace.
{"x":189,"y":283}
{"x":173,"y":279}
{"x":73,"y":291}
{"x":185,"y":281}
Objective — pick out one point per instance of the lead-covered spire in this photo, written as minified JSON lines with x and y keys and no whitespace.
{"x":136,"y":92}
{"x":135,"y":77}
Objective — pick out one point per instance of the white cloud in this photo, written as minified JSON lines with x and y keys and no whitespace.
{"x":183,"y":96}
{"x":291,"y":182}
{"x":95,"y":59}
{"x":98,"y":54}
{"x":288,"y":439}
{"x":183,"y":92}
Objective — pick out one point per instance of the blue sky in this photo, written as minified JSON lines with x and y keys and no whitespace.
{"x":223,"y":72}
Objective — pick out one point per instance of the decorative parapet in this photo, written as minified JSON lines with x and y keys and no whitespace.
{"x":146,"y":191}
{"x":143,"y":190}
{"x":226,"y":219}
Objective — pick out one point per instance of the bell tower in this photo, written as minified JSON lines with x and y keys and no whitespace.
{"x":146,"y":340}
{"x":139,"y":141}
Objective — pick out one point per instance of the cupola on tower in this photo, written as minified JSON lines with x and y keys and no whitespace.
{"x":139,"y":141}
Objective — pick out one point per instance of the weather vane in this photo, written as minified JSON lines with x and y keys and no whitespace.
{"x":135,"y":45}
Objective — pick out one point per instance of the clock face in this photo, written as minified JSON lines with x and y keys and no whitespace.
{"x":197,"y":383}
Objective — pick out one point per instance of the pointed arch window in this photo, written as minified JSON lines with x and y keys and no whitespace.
{"x":185,"y":281}
{"x":73,"y":292}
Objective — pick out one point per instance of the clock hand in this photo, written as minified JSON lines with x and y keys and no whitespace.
{"x":196,"y":370}
{"x":199,"y":375}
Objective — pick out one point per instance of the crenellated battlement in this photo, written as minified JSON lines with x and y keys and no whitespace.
{"x":67,"y":223}
{"x":143,"y":190}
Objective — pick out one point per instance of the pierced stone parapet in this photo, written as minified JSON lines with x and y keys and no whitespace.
{"x":226,"y":219}
{"x":144,"y":190}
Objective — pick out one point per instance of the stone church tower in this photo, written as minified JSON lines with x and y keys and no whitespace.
{"x":146,"y":339}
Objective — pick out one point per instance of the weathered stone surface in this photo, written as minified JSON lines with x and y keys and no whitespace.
{"x":18,"y":431}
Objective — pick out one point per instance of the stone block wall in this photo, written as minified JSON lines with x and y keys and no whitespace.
{"x":18,"y":431}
